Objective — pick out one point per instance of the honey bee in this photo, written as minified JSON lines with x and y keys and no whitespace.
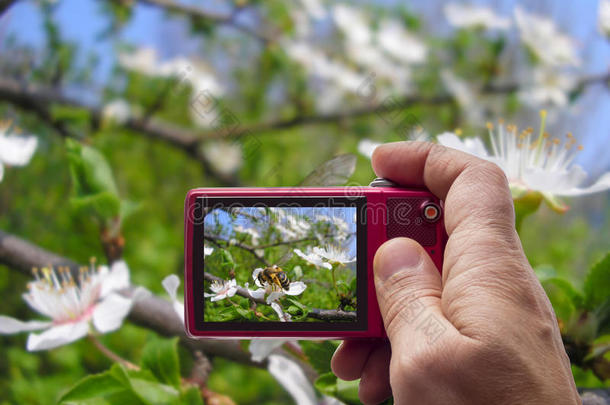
{"x":274,"y":275}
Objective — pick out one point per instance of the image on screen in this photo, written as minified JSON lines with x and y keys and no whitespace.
{"x":280,"y":264}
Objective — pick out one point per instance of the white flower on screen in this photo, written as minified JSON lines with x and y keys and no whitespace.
{"x":401,"y":44}
{"x":366,"y":147}
{"x":260,"y":349}
{"x":604,"y":17}
{"x":117,"y":111}
{"x":290,"y":375}
{"x":15,"y":150}
{"x":221,"y":290}
{"x":465,"y":94}
{"x":312,"y":258}
{"x":171,"y":284}
{"x":225,"y":157}
{"x":471,"y":16}
{"x":533,"y":163}
{"x":72,"y":305}
{"x":334,"y":254}
{"x":272,"y":290}
{"x":543,"y":39}
{"x":549,"y":87}
{"x":253,"y":232}
{"x":207,"y":250}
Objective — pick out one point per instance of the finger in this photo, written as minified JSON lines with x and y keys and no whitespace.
{"x":375,"y":380}
{"x":408,"y":288}
{"x":351,"y":356}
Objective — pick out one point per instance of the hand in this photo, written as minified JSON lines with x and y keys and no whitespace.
{"x":482,"y":333}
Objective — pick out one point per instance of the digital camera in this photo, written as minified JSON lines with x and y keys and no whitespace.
{"x":296,"y":262}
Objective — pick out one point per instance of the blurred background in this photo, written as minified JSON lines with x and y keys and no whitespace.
{"x":179,"y":94}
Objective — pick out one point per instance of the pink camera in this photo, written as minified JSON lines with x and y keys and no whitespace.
{"x":296,"y":262}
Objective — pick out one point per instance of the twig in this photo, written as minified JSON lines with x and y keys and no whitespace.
{"x":110,"y":354}
{"x":315,"y":313}
{"x":196,"y":12}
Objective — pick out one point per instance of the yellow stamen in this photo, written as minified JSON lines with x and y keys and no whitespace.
{"x":580,"y":147}
{"x":490,"y":126}
{"x":458,"y":131}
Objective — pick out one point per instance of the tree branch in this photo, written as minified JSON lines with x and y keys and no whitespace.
{"x":315,"y":313}
{"x":40,"y":99}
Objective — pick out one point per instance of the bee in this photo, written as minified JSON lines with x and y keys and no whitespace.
{"x":274,"y":275}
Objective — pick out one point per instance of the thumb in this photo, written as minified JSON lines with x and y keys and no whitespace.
{"x":409,"y":287}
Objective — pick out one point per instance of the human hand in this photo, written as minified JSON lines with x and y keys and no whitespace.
{"x":482,"y":333}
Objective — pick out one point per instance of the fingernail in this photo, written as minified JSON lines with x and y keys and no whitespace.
{"x":396,"y":255}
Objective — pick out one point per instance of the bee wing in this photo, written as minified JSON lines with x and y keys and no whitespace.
{"x":285,"y":257}
{"x":334,"y":172}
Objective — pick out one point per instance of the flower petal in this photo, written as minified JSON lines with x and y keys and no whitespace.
{"x":261,"y":348}
{"x":117,"y":278}
{"x":296,"y":288}
{"x":17,"y":150}
{"x":9,"y":325}
{"x":602,"y":184}
{"x":474,"y":146}
{"x":179,"y":309}
{"x":57,"y":336}
{"x":108,"y":315}
{"x":284,"y":317}
{"x":1,"y":171}
{"x":293,"y":379}
{"x":171,"y":284}
{"x":258,"y":294}
{"x":274,"y":296}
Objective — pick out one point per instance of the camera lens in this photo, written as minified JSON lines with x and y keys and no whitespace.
{"x":431,"y":212}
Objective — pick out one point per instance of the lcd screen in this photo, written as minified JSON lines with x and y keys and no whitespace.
{"x":297,"y":264}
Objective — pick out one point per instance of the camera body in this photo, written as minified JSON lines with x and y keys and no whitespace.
{"x":225,"y":299}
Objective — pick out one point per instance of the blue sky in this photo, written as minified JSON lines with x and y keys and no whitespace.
{"x":81,"y":22}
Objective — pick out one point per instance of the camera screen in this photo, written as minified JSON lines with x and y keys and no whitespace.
{"x":282,"y":263}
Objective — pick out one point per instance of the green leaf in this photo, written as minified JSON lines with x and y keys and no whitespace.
{"x":346,"y":391}
{"x":564,"y":297}
{"x":243,"y":312}
{"x":103,"y":205}
{"x":72,"y":114}
{"x":96,"y":385}
{"x":160,"y":356}
{"x":191,"y":396}
{"x":91,"y":173}
{"x":597,"y":284}
{"x":319,"y":354}
{"x":144,"y":386}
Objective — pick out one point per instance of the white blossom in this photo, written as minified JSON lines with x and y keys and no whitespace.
{"x":604,"y":17}
{"x":143,"y":60}
{"x":472,"y":16}
{"x":366,"y":147}
{"x":15,"y":150}
{"x":273,"y":292}
{"x":293,"y":379}
{"x":221,"y":290}
{"x":465,"y":94}
{"x":334,"y":254}
{"x":171,"y":284}
{"x":207,"y":250}
{"x":533,"y":163}
{"x":72,"y":306}
{"x":253,"y":232}
{"x":312,"y":258}
{"x":353,"y":23}
{"x":398,"y":42}
{"x":549,"y":87}
{"x":117,"y":111}
{"x":225,"y":157}
{"x":314,"y":8}
{"x":260,"y":349}
{"x":544,"y":40}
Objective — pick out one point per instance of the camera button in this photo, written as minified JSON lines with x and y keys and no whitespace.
{"x":381,"y":182}
{"x":432,"y":212}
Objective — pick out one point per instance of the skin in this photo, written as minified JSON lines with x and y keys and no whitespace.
{"x":495,"y":338}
